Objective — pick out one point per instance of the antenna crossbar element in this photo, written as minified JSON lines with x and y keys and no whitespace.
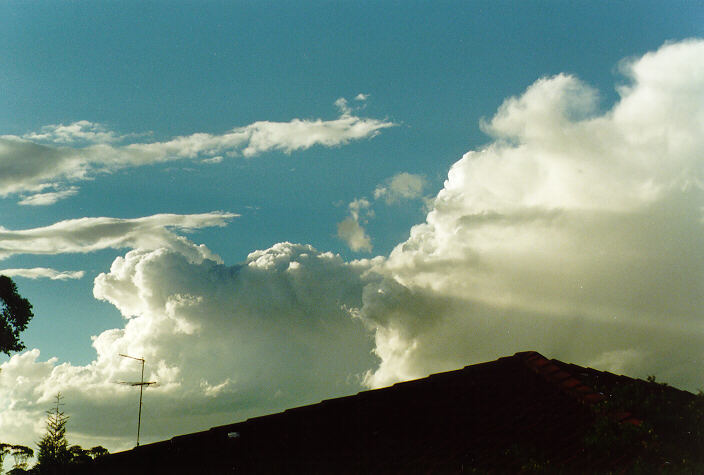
{"x":142,"y":383}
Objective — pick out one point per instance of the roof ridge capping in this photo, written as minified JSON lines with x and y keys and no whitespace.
{"x":565,"y":380}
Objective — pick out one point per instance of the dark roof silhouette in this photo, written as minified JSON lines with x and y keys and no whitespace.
{"x":518,"y":414}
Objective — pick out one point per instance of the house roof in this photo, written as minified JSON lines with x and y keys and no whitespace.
{"x":515,"y":414}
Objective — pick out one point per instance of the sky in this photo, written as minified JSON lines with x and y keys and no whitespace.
{"x":275,"y":203}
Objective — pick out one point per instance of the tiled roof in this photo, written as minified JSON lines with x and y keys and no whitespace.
{"x":518,"y":414}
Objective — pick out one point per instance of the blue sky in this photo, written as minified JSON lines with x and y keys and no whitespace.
{"x":148,"y":68}
{"x":420,"y":76}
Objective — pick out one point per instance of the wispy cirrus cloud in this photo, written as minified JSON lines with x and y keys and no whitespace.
{"x":43,"y":273}
{"x":40,"y":165}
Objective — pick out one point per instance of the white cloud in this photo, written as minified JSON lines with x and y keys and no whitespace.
{"x":577,"y":233}
{"x":43,"y":199}
{"x":351,"y":231}
{"x":42,"y":272}
{"x":343,"y":106}
{"x":223,"y":342}
{"x":303,"y":134}
{"x":346,"y":109}
{"x":354,"y":234}
{"x":359,"y":208}
{"x":619,"y":361}
{"x":82,"y":131}
{"x":402,"y":186}
{"x":216,"y":159}
{"x":211,"y":390}
{"x":91,"y":234}
{"x":50,"y":159}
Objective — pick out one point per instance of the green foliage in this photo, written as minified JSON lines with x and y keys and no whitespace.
{"x":79,"y":455}
{"x":20,"y":453}
{"x":663,"y":432}
{"x":611,"y":440}
{"x":97,"y":452}
{"x":53,"y":447}
{"x":670,"y":437}
{"x":15,"y":314}
{"x":4,"y":450}
{"x":55,"y":456}
{"x":529,"y":459}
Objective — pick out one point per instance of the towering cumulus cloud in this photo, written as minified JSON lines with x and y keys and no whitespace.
{"x":223,"y":342}
{"x":576,"y":232}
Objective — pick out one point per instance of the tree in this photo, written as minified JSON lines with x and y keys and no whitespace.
{"x":4,"y":450}
{"x":15,"y":314}
{"x":78,"y":454}
{"x":55,"y":456}
{"x":53,"y":447}
{"x":21,"y":454}
{"x":97,"y":451}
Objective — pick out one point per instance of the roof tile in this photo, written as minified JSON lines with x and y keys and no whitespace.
{"x":489,"y":417}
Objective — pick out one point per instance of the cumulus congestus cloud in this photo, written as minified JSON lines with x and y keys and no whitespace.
{"x":224,"y":342}
{"x":576,"y":232}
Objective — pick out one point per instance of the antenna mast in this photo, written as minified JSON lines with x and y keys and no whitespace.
{"x":141,"y":385}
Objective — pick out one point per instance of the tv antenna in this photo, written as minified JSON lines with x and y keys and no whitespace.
{"x":141,"y":385}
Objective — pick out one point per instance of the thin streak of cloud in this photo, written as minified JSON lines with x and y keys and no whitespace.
{"x":43,"y":273}
{"x":82,"y":131}
{"x":92,"y":234}
{"x":49,"y":198}
{"x":53,"y":157}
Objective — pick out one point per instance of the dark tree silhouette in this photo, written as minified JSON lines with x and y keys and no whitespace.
{"x":53,"y":453}
{"x":4,"y":450}
{"x":97,"y":451}
{"x":15,"y":314}
{"x":55,"y":456}
{"x":21,"y":454}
